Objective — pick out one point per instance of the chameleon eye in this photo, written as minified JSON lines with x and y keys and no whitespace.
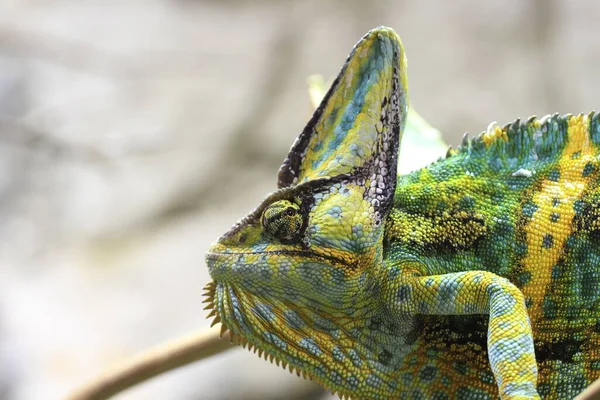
{"x":282,"y":220}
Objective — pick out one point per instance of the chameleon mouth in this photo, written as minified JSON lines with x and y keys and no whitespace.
{"x":214,"y":257}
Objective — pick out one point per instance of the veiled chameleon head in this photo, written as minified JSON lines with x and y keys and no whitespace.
{"x":293,"y":278}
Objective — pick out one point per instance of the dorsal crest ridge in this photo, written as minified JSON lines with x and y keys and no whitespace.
{"x":519,"y":139}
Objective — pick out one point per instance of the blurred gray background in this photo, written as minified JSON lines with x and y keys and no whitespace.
{"x":133,"y":133}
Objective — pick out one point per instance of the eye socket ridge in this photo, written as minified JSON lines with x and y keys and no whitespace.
{"x":282,"y":220}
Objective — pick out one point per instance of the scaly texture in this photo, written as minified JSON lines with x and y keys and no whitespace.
{"x":446,"y":283}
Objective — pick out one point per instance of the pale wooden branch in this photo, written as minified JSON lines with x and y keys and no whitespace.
{"x":153,"y":362}
{"x":178,"y":353}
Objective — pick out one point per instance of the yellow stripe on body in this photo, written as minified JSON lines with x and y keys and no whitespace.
{"x":556,"y":197}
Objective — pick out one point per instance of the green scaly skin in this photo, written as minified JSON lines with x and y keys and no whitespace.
{"x":446,"y":283}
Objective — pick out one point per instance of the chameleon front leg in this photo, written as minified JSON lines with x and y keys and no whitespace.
{"x":510,"y":339}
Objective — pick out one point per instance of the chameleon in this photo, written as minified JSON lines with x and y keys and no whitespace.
{"x":475,"y":277}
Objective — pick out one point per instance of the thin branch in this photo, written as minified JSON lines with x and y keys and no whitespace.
{"x":161,"y":359}
{"x":181,"y":352}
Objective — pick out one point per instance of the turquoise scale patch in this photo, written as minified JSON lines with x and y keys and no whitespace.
{"x":355,"y":358}
{"x":352,"y":382}
{"x":311,"y":346}
{"x":529,"y":208}
{"x":554,"y":175}
{"x":336,"y":378}
{"x":375,"y":381}
{"x":293,"y":320}
{"x":403,"y":293}
{"x":338,"y":354}
{"x":588,"y":169}
{"x":274,"y":339}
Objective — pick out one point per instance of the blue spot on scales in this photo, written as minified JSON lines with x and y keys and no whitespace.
{"x":336,"y":378}
{"x":263,"y":311}
{"x":274,"y":339}
{"x":335,"y":211}
{"x":311,"y":346}
{"x":588,"y":169}
{"x":293,"y":320}
{"x":374,"y":381}
{"x":355,"y":358}
{"x":352,"y":382}
{"x":529,"y":208}
{"x":355,"y":149}
{"x":554,"y":175}
{"x":338,"y":354}
{"x":403,"y":293}
{"x":447,"y":293}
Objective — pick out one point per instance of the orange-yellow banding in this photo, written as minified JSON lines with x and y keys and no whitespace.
{"x":557,"y":195}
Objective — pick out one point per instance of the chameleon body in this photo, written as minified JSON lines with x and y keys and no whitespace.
{"x":476,"y":277}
